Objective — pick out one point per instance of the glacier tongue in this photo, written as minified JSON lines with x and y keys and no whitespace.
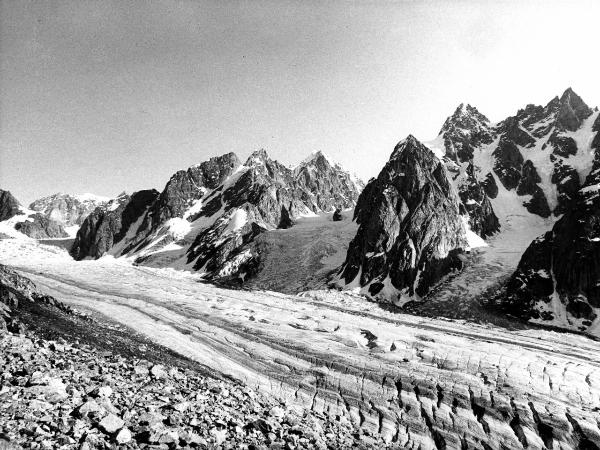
{"x":422,"y":382}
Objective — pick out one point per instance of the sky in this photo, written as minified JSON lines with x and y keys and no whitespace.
{"x":105,"y":97}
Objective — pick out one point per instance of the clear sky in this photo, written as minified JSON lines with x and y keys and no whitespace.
{"x":105,"y":96}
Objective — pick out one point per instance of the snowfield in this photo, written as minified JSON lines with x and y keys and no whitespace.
{"x":428,"y":383}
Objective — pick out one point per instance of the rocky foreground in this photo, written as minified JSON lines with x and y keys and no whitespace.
{"x":69,"y":395}
{"x":94,"y":394}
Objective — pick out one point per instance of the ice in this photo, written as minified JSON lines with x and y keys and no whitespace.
{"x":339,"y":354}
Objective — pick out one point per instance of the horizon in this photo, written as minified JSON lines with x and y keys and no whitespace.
{"x":105,"y":98}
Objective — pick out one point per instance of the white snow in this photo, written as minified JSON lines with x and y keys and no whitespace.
{"x":237,"y":220}
{"x":473,"y":239}
{"x":437,"y":146}
{"x":87,"y":197}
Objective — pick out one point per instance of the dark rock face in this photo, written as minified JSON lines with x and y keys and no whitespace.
{"x":68,"y":210}
{"x":489,"y":186}
{"x":108,"y":225}
{"x":567,"y":183}
{"x":563,"y":266}
{"x":508,"y":163}
{"x":465,"y":130}
{"x":337,"y":215}
{"x":513,"y":132}
{"x":482,"y":218}
{"x":532,"y":282}
{"x":529,"y":179}
{"x":189,"y":185}
{"x":9,"y":206}
{"x":38,"y":226}
{"x":410,"y":229}
{"x":528,"y":185}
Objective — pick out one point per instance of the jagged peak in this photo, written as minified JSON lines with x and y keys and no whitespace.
{"x":410,"y":147}
{"x":572,"y":111}
{"x":465,"y":117}
{"x":318,"y":156}
{"x":572,"y":99}
{"x":257,"y":157}
{"x":231,"y":156}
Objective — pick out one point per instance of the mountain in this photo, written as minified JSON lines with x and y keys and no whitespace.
{"x":68,"y":210}
{"x":539,"y":156}
{"x":207,"y":216}
{"x":520,"y":172}
{"x":16,"y":221}
{"x":558,"y":278}
{"x":411,"y":231}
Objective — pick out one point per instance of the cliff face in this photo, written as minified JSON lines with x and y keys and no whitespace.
{"x":108,"y":225}
{"x":410,"y":231}
{"x":9,"y":206}
{"x":558,"y":278}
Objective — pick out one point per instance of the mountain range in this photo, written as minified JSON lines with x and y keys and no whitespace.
{"x":431,"y":205}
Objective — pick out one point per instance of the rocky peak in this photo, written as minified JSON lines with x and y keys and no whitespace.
{"x":257,"y":157}
{"x":410,"y":228}
{"x":464,"y":130}
{"x":572,"y":111}
{"x":9,"y":205}
{"x":466,"y":118}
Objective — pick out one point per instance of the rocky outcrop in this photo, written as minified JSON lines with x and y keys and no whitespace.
{"x":9,"y":206}
{"x":508,"y":163}
{"x":108,"y":225}
{"x":489,"y":186}
{"x":67,"y":210}
{"x":477,"y":205}
{"x":528,"y":185}
{"x":15,"y":290}
{"x":410,"y":230}
{"x":38,"y":226}
{"x":558,"y":277}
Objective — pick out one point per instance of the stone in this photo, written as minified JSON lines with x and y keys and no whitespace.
{"x":123,"y":436}
{"x":111,"y":423}
{"x":158,"y":371}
